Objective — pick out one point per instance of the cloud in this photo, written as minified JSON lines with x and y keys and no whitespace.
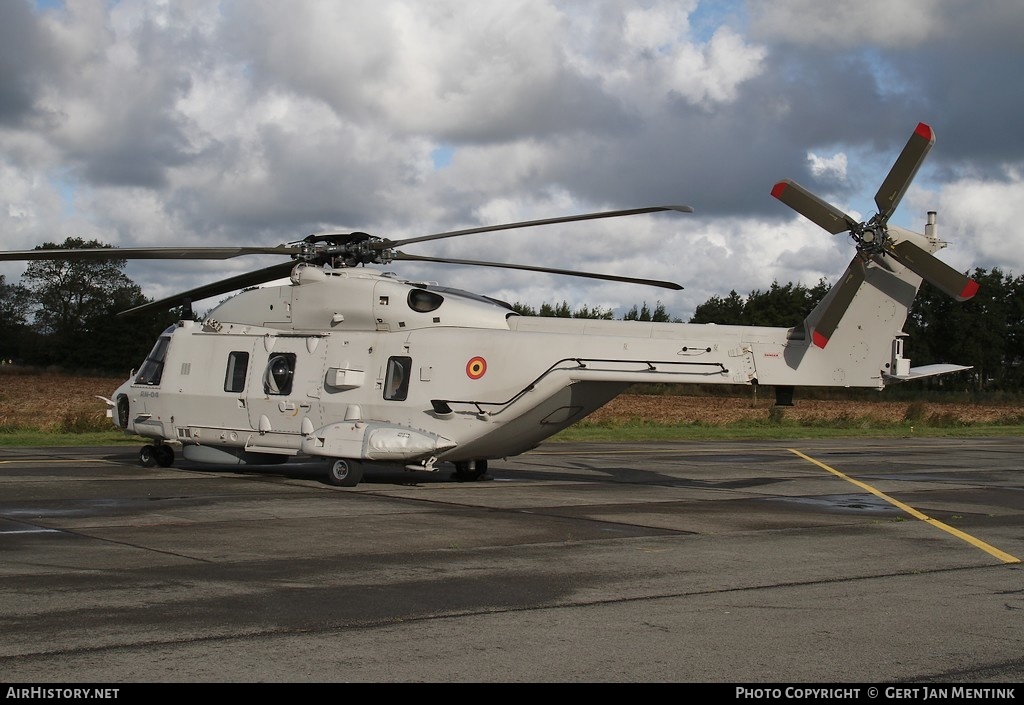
{"x":841,"y":25}
{"x":831,"y":168}
{"x":973,"y":216}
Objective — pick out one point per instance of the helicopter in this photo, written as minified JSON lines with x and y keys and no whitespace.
{"x":363,"y":369}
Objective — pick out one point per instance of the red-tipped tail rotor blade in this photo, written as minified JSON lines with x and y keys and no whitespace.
{"x":902,"y":173}
{"x":813,"y":208}
{"x":934,"y":271}
{"x":836,"y":307}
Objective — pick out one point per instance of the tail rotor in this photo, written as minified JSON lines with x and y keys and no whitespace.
{"x":874,"y":238}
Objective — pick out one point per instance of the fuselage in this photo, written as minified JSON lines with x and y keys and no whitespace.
{"x":358,"y":364}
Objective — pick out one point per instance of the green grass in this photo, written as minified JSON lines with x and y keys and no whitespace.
{"x":17,"y":437}
{"x":622,"y":432}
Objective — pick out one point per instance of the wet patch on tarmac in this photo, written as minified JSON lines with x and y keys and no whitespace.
{"x":858,"y":503}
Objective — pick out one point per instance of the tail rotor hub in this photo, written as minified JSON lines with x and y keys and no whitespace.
{"x":871,"y":237}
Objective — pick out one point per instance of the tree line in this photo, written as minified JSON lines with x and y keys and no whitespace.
{"x":64,"y":313}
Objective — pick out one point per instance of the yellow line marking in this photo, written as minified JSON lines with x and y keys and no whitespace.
{"x":991,"y":550}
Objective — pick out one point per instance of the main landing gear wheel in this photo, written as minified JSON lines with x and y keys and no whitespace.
{"x":153,"y":455}
{"x":344,"y":473}
{"x":470,"y":471}
{"x":164,"y":456}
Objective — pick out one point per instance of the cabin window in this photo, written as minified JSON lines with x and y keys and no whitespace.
{"x":234,"y":378}
{"x":153,"y":368}
{"x":396,"y":381}
{"x":277,"y":378}
{"x":423,"y":301}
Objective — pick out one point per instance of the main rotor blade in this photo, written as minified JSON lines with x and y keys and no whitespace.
{"x":903,"y":171}
{"x":934,"y":271}
{"x":530,"y":224}
{"x":147,"y":253}
{"x":813,"y":208}
{"x":260,"y":276}
{"x":529,"y":268}
{"x":836,"y":307}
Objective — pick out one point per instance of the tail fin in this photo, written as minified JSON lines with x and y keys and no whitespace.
{"x":864,"y":313}
{"x":870,"y":302}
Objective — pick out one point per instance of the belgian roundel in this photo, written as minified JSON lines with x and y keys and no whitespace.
{"x":476,"y":367}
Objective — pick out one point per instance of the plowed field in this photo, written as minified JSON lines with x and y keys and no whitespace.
{"x":724,"y":410}
{"x":54,"y":402}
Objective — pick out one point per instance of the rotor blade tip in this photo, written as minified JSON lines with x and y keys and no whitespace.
{"x":778,"y":188}
{"x":819,"y":340}
{"x":925,"y":131}
{"x":969,"y":290}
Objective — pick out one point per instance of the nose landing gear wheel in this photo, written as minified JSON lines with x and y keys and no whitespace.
{"x":344,"y":473}
{"x":470,"y":471}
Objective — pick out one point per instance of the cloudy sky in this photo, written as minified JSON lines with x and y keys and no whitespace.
{"x":250,"y":122}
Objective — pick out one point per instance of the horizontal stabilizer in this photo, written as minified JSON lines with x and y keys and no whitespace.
{"x":926,"y":371}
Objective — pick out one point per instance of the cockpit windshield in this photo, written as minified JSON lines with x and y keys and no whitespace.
{"x":153,"y":368}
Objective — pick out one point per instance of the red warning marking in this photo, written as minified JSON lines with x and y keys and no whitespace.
{"x":970,"y":289}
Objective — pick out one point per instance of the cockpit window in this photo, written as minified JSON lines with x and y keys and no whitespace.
{"x":423,"y":301}
{"x":153,"y":368}
{"x":277,"y":377}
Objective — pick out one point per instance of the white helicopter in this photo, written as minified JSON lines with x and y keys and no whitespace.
{"x":365,"y":369}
